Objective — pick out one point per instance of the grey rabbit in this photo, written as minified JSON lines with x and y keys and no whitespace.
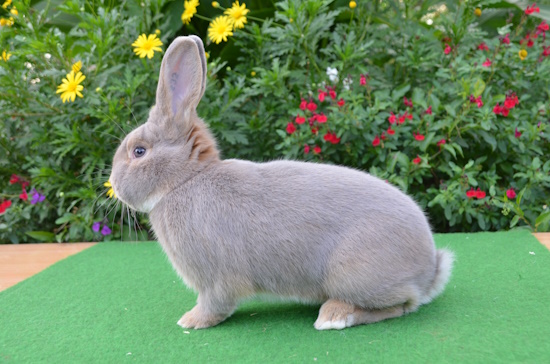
{"x":234,"y":229}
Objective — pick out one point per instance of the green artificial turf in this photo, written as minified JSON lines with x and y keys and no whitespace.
{"x":120,"y":302}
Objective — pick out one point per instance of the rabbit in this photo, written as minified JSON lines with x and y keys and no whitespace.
{"x":235,"y":229}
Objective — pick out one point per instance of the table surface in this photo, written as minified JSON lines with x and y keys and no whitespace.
{"x":20,"y":261}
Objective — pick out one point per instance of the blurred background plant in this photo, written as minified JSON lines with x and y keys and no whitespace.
{"x":447,"y":100}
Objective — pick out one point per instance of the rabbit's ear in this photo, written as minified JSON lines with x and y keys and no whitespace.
{"x":182,"y":76}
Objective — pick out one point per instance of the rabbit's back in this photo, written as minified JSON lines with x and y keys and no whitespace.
{"x":295,"y":229}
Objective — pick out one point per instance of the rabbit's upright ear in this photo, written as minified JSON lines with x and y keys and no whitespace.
{"x":182,"y":78}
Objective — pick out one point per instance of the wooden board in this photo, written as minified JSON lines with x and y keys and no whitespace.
{"x":20,"y":261}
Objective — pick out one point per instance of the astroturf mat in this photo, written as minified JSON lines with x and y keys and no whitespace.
{"x":121,"y":301}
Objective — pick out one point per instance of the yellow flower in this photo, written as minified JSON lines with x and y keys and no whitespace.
{"x":14,"y":11}
{"x":207,"y":54}
{"x":253,"y":73}
{"x":477,"y":12}
{"x":157,"y":31}
{"x":215,"y":4}
{"x":219,"y":29}
{"x":71,"y":86}
{"x":146,"y":46}
{"x":8,"y":22}
{"x":6,"y":4}
{"x":352,"y":4}
{"x":237,"y":14}
{"x":189,"y":9}
{"x":77,"y":66}
{"x":522,"y":54}
{"x":111,"y":191}
{"x":5,"y":56}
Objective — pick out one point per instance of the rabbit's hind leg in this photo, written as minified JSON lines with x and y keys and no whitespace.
{"x":335,"y":314}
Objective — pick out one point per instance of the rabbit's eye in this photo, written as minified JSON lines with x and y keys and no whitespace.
{"x":139,"y":152}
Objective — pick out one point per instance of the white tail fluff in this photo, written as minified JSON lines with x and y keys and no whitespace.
{"x":444,"y":263}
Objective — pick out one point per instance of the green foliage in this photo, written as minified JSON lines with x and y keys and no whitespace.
{"x":256,"y":84}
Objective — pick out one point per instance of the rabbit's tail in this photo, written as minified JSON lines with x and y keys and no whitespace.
{"x":444,"y":265}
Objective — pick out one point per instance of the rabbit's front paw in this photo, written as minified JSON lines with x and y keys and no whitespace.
{"x":198,"y":319}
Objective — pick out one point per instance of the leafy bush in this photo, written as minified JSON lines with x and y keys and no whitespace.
{"x":410,"y":94}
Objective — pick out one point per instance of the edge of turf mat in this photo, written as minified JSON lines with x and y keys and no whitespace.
{"x":121,"y":301}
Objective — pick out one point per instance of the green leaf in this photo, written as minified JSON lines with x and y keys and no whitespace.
{"x":543,"y":218}
{"x":41,"y":235}
{"x":514,"y":221}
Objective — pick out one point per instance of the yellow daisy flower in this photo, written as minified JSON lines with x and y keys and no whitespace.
{"x":77,"y":66}
{"x":5,"y":56}
{"x":189,"y":9}
{"x":111,"y":191}
{"x":6,"y":4}
{"x":522,"y":54}
{"x":352,"y":4}
{"x":71,"y":86}
{"x":9,"y":22}
{"x":14,"y":11}
{"x":237,"y":14}
{"x":220,"y":28}
{"x":146,"y":46}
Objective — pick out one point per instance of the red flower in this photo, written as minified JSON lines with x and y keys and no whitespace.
{"x":322,"y":95}
{"x":532,"y":9}
{"x":417,"y":160}
{"x":341,"y":102}
{"x":401,"y":118}
{"x":546,"y":51}
{"x":376,"y":141}
{"x":332,"y":93}
{"x":390,"y":131}
{"x":441,"y":142}
{"x":4,"y":205}
{"x":290,"y":128}
{"x":24,"y":195}
{"x":504,"y":111}
{"x":418,"y":137}
{"x":383,"y":136}
{"x":392,"y":118}
{"x":505,"y":39}
{"x":303,"y":104}
{"x":471,"y":193}
{"x":510,"y":193}
{"x":476,"y":100}
{"x":407,"y":102}
{"x":487,"y":63}
{"x":511,"y":101}
{"x":542,"y":28}
{"x":501,"y":110}
{"x":311,"y":106}
{"x":408,"y":116}
{"x":483,"y":47}
{"x":314,"y":131}
{"x":517,"y":134}
{"x":316,"y":149}
{"x":331,"y":138}
{"x":428,"y":111}
{"x":300,"y":119}
{"x":448,"y":49}
{"x":321,"y":118}
{"x":530,"y":43}
{"x":480,"y":194}
{"x":14,"y":179}
{"x":306,"y":149}
{"x":362,"y":80}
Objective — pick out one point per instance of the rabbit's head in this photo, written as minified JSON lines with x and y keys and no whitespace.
{"x":174,"y":144}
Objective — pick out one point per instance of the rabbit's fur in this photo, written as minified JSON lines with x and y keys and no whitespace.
{"x":233,"y":228}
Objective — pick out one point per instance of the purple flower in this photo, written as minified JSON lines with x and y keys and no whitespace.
{"x":36,"y":197}
{"x":105,"y":230}
{"x":95,"y":226}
